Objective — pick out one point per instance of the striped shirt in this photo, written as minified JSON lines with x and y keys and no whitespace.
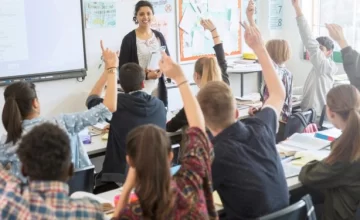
{"x":42,"y":200}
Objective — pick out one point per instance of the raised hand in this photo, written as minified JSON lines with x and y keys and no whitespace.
{"x":170,"y":68}
{"x":207,"y":24}
{"x":336,"y":33}
{"x":253,"y":37}
{"x":250,"y":11}
{"x":295,"y":3}
{"x":110,"y":58}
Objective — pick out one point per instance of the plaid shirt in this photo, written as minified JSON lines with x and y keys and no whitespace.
{"x":192,"y":184}
{"x":42,"y":200}
{"x":287,"y":78}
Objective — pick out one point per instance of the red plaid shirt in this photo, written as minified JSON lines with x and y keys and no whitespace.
{"x":192,"y":184}
{"x":42,"y":200}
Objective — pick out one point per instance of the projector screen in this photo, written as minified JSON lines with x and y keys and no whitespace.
{"x":41,"y":38}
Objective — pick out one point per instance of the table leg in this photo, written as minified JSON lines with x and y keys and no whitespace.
{"x":241,"y":84}
{"x":259,"y":80}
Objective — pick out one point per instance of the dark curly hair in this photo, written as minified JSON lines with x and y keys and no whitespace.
{"x":45,"y":153}
{"x":326,"y":42}
{"x":139,"y":5}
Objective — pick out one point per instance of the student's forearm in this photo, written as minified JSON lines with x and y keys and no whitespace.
{"x":343,"y":44}
{"x":272,"y":80}
{"x":192,"y":109}
{"x":216,"y":37}
{"x":251,"y":20}
{"x":99,"y":85}
{"x":123,"y":201}
{"x":110,"y":99}
{"x":298,"y":11}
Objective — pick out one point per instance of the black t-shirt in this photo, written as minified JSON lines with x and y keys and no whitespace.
{"x":247,"y":170}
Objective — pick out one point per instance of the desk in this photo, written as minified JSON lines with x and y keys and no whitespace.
{"x":246,"y":69}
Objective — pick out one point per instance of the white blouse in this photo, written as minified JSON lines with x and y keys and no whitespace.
{"x":144,"y":50}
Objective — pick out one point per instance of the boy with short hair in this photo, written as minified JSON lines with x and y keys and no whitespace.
{"x":45,"y":155}
{"x":247,"y":171}
{"x":321,"y":77}
{"x":134,"y":108}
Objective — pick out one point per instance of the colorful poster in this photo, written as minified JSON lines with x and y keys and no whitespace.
{"x":162,"y":6}
{"x":100,"y":14}
{"x":161,"y":23}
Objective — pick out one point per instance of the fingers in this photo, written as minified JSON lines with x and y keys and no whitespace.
{"x":102,"y":46}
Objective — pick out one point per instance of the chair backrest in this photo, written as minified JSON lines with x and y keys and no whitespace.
{"x":302,"y":210}
{"x":82,"y":180}
{"x":298,"y":122}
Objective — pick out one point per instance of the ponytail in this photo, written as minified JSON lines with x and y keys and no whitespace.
{"x":12,"y":120}
{"x":209,"y":70}
{"x":347,"y":146}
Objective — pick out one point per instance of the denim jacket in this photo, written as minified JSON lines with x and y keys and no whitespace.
{"x":72,"y":123}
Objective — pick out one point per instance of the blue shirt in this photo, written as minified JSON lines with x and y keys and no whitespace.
{"x":247,"y":171}
{"x":72,"y":123}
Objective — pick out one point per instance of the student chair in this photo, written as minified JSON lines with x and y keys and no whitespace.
{"x":82,"y":180}
{"x":324,"y":124}
{"x":298,"y":122}
{"x":301,"y":210}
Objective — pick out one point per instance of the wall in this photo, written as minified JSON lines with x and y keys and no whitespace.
{"x":69,"y":95}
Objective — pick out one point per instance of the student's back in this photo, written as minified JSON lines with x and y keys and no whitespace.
{"x":134,"y":108}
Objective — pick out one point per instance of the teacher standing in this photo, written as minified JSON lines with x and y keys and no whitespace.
{"x":138,"y":45}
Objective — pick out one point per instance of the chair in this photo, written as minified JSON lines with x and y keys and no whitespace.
{"x":82,"y":180}
{"x":324,"y":124}
{"x":301,"y":210}
{"x":298,"y":122}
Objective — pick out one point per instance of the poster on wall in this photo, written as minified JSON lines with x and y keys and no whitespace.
{"x":100,"y":14}
{"x":164,"y":13}
{"x":276,"y":14}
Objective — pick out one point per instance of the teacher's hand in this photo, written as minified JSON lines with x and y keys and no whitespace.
{"x":153,"y":74}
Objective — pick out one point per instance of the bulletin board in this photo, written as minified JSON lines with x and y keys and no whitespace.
{"x":193,"y":42}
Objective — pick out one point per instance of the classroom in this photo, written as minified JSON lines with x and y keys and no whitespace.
{"x":180,"y":109}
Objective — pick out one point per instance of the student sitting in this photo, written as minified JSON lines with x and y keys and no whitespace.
{"x":338,"y":176}
{"x":22,"y":112}
{"x":351,"y":58}
{"x":186,"y":195}
{"x":45,"y":155}
{"x":247,"y":171}
{"x":321,"y":77}
{"x":206,"y":70}
{"x":134,"y":108}
{"x":280,"y":53}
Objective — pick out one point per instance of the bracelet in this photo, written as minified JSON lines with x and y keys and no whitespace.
{"x":215,"y":37}
{"x":213,"y":30}
{"x":111,"y":68}
{"x":146,"y":75}
{"x":183,"y":82}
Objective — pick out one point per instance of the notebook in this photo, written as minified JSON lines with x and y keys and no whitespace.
{"x":304,"y":141}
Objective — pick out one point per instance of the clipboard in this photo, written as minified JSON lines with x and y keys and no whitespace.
{"x":155,"y":58}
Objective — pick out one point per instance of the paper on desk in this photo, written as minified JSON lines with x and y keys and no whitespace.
{"x":305,"y":142}
{"x":310,"y":155}
{"x":81,"y":195}
{"x":217,"y":199}
{"x":188,"y":20}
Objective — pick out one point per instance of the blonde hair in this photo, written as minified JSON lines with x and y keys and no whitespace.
{"x":218,"y":105}
{"x":208,"y":69}
{"x":344,"y":100}
{"x":279,"y":50}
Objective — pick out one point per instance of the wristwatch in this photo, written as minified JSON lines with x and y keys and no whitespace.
{"x":111,"y":70}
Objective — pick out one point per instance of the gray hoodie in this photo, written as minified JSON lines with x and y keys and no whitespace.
{"x":321,"y":77}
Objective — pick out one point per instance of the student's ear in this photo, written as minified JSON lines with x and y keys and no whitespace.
{"x":171,"y":156}
{"x":237,"y":113}
{"x":35,"y":103}
{"x":71,"y":170}
{"x":24,"y":171}
{"x":129,"y":161}
{"x":143,"y":84}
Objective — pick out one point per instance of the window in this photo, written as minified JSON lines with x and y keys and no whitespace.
{"x":345,"y":13}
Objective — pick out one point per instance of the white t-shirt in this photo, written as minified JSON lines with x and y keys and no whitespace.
{"x":144,"y":50}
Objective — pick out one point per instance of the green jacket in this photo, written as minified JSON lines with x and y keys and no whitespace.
{"x":340,"y":184}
